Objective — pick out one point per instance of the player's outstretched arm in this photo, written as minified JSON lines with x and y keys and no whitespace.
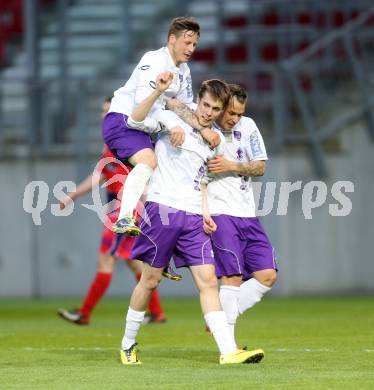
{"x":84,"y":186}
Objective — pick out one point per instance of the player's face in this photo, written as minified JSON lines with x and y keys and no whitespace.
{"x":104,"y":109}
{"x":181,"y":47}
{"x":232,"y":115}
{"x":208,"y":109}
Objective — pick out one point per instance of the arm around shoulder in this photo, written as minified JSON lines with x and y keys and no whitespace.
{"x":250,"y":169}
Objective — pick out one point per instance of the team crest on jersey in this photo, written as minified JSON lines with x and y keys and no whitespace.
{"x":237,"y":135}
{"x":145,"y":67}
{"x":239,"y":154}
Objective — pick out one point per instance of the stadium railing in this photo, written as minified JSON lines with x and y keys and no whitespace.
{"x":328,"y":91}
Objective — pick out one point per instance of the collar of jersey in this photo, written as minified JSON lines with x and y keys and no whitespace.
{"x":170,"y":58}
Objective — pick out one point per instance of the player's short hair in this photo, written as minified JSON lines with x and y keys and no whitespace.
{"x":182,"y":24}
{"x":239,"y":93}
{"x":216,"y":88}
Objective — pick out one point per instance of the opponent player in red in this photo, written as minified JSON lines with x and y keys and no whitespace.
{"x":112,"y":245}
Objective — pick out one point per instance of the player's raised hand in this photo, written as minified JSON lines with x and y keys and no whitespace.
{"x":177,"y":136}
{"x":209,"y":225}
{"x":211,"y":137}
{"x":163,"y":81}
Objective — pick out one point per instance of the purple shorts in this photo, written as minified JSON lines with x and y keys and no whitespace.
{"x":168,"y":232}
{"x":241,"y":246}
{"x":123,"y":141}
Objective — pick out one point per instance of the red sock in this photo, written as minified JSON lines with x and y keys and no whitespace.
{"x":97,"y":289}
{"x":154,"y":305}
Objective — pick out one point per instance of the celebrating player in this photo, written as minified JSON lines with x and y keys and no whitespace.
{"x":172,"y":224}
{"x":119,"y":132}
{"x":241,"y":247}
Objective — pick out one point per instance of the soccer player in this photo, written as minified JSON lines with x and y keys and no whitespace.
{"x":172,"y":224}
{"x":241,"y":247}
{"x":112,"y":245}
{"x":119,"y":133}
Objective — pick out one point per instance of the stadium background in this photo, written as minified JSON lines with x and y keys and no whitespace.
{"x":308,"y":67}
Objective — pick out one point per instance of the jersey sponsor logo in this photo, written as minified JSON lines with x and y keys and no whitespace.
{"x":239,"y":154}
{"x":237,"y":135}
{"x":152,"y":84}
{"x":254,"y":142}
{"x":145,"y":67}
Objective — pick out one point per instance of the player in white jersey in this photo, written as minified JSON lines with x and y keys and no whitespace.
{"x":241,"y":247}
{"x":172,"y":224}
{"x":135,"y":147}
{"x":245,"y":262}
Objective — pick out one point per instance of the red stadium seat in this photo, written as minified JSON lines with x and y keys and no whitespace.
{"x":206,"y":55}
{"x":270,"y":52}
{"x":237,"y":53}
{"x":236,"y":21}
{"x":270,"y":18}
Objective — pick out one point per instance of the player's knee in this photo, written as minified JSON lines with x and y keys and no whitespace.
{"x":152,"y":163}
{"x":145,"y":156}
{"x":150,"y":160}
{"x":150,"y":282}
{"x":208,"y":283}
{"x":267,"y":277}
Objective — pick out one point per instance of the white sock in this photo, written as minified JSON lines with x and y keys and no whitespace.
{"x":133,"y":188}
{"x":133,"y":321}
{"x":251,"y":293}
{"x":217,"y":323}
{"x":229,"y":297}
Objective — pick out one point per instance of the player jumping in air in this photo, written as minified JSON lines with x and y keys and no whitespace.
{"x":119,"y":131}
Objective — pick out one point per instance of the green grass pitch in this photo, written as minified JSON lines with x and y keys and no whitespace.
{"x":309,"y":344}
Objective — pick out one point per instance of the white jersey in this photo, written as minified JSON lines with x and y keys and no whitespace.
{"x":231,"y":194}
{"x":176,"y":182}
{"x":143,"y":81}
